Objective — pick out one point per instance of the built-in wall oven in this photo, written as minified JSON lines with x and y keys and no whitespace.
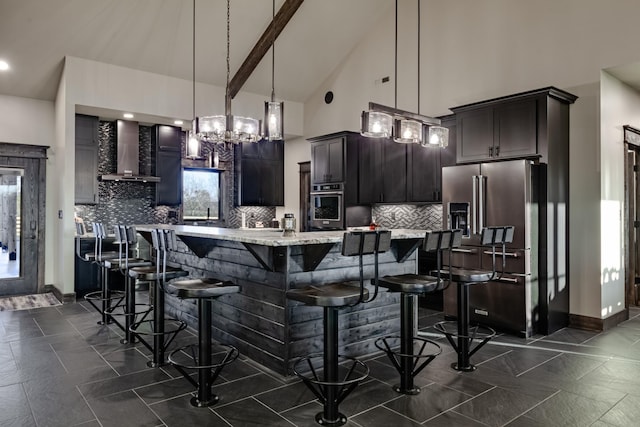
{"x":327,"y":206}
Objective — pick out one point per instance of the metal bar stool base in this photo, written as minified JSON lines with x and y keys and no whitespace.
{"x":198,"y":404}
{"x":409,"y":391}
{"x":342,"y":420}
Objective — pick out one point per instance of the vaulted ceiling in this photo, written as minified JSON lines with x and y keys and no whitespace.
{"x":157,"y":36}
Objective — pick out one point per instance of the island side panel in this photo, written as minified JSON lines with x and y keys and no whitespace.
{"x":359,"y":326}
{"x":252,"y":320}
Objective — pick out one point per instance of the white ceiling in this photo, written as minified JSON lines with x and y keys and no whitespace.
{"x":156,"y":36}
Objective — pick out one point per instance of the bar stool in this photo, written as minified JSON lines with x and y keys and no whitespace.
{"x":464,"y":334}
{"x":330,"y":389}
{"x":105,"y":299}
{"x":130,"y":310}
{"x":408,"y":362}
{"x":162,"y":330}
{"x":199,"y":356}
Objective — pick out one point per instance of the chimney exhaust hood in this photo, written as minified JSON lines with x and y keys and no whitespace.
{"x":128,"y":153}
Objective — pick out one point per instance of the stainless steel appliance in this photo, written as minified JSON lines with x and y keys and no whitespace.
{"x":327,"y":206}
{"x":494,"y":194}
{"x":331,"y":211}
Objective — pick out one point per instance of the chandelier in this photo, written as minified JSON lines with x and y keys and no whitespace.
{"x":227,"y":128}
{"x":404,"y":127}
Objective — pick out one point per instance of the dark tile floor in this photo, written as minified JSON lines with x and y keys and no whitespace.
{"x":58,"y":368}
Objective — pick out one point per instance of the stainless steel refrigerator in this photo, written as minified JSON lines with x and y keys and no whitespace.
{"x":494,"y":194}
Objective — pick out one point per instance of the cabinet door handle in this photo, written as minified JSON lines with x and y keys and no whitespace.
{"x":506,"y":254}
{"x":490,"y":151}
{"x":497,"y":151}
{"x":464,"y":251}
{"x":508,"y":280}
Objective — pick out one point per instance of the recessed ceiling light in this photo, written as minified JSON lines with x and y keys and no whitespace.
{"x":4,"y":65}
{"x":178,"y":122}
{"x":127,"y":116}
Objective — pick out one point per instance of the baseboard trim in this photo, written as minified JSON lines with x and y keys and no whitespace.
{"x":63,"y":298}
{"x":594,"y":324}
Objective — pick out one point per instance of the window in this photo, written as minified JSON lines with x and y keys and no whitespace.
{"x":200,"y":194}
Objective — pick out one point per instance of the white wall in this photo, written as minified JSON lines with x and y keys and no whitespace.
{"x":620,"y":105}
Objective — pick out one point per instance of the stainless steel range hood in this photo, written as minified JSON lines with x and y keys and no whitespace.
{"x":128,"y":153}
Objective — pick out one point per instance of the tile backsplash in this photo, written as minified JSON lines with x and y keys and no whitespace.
{"x":427,"y":217}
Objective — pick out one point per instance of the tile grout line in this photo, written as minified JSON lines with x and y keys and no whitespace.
{"x":453,"y":408}
{"x":271,"y":409}
{"x":88,"y":405}
{"x":532,"y":408}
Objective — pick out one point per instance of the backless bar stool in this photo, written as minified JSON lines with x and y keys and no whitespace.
{"x":464,"y":278}
{"x":406,"y":360}
{"x":105,"y":299}
{"x":127,"y":235}
{"x":200,"y":356}
{"x":163,"y":330}
{"x":330,"y":389}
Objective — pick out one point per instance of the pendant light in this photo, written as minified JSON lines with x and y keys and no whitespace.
{"x":228,"y":128}
{"x":193,"y":143}
{"x":273,"y":111}
{"x":381,"y":121}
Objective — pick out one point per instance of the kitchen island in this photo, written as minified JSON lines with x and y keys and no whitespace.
{"x":260,"y":321}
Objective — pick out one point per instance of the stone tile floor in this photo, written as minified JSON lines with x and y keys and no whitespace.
{"x":59,"y":368}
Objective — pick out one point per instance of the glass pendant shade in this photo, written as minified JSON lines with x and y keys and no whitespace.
{"x":245,"y":129}
{"x":376,"y":124}
{"x":435,"y":136}
{"x":193,"y":146}
{"x":407,"y":131}
{"x":212,"y":128}
{"x":273,"y":120}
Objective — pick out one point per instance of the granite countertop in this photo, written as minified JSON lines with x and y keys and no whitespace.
{"x":270,"y":237}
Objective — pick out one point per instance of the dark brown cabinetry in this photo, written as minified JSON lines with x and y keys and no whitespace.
{"x":424,"y":166}
{"x":382,"y":171}
{"x":86,"y":153}
{"x":508,"y":127}
{"x":327,"y":160}
{"x":260,"y":173}
{"x":167,"y":142}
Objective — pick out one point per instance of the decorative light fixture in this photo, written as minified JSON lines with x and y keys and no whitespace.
{"x":193,"y":143}
{"x":227,"y":128}
{"x":405,"y":127}
{"x":273,"y":111}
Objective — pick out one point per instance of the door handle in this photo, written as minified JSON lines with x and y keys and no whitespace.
{"x":464,"y":251}
{"x":507,"y":254}
{"x":507,"y":280}
{"x":480,"y":203}
{"x":474,"y":201}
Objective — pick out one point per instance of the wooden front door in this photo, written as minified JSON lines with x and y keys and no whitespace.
{"x":23,"y":169}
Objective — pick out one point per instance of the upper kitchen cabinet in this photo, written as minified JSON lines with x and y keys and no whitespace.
{"x":167,"y":143}
{"x":424,"y":166}
{"x":382,"y":171}
{"x":515,"y":126}
{"x":86,"y":153}
{"x":259,"y":169}
{"x":327,"y":159}
{"x":334,"y":159}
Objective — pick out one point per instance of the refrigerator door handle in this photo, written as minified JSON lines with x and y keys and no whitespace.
{"x":507,"y":254}
{"x":481,"y":203}
{"x":507,"y":280}
{"x":474,"y":202}
{"x":463,"y":251}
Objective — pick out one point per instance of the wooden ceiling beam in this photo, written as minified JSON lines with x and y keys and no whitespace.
{"x":262,"y":46}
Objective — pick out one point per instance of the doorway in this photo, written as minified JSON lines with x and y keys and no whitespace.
{"x":22,"y":189}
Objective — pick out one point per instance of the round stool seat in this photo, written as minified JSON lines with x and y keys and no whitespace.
{"x":463,"y":275}
{"x":149,"y":273}
{"x":335,"y":295}
{"x":202,"y":288}
{"x":412,"y":283}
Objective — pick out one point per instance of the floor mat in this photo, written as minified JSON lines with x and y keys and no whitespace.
{"x":25,"y":302}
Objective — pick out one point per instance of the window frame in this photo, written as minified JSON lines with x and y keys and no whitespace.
{"x":220,"y":217}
